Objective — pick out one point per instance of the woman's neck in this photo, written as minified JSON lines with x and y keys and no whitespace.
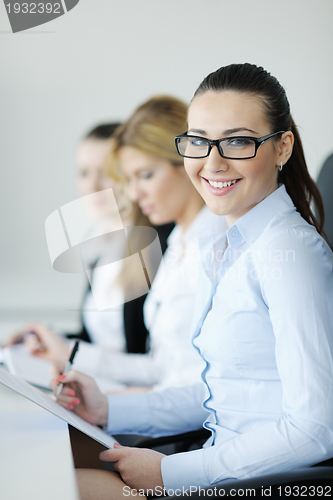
{"x":191,"y":210}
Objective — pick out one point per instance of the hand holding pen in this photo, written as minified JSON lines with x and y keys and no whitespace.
{"x":82,"y":395}
{"x":68,"y":365}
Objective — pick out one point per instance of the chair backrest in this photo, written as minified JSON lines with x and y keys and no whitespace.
{"x":325,"y":184}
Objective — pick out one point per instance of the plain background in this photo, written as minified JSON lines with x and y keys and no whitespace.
{"x":97,"y":63}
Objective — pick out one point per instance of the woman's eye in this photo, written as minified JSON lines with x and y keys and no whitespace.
{"x":82,"y":174}
{"x":145,"y":175}
{"x":197,"y":142}
{"x":239,"y":142}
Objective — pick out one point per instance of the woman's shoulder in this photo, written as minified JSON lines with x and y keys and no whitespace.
{"x":288,"y":233}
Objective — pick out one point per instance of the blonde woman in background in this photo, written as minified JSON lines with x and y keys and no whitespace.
{"x":122,"y":328}
{"x":143,"y":156}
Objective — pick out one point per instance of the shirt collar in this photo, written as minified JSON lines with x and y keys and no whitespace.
{"x":252,"y":224}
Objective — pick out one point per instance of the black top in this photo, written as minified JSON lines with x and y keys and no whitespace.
{"x":325,"y":184}
{"x":135,"y":330}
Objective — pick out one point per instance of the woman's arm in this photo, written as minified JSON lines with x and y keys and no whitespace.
{"x":157,"y":413}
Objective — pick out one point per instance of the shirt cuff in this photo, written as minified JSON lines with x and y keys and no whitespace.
{"x":184,"y":472}
{"x":128,"y":414}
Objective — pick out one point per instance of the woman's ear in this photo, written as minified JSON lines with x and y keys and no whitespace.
{"x":285,"y":147}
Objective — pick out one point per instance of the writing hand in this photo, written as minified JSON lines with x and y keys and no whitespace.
{"x":82,"y":395}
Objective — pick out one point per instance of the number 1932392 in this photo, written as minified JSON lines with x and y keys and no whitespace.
{"x":304,"y":491}
{"x":34,"y":8}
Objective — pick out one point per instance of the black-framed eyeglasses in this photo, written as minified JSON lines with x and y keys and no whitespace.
{"x":233,"y":148}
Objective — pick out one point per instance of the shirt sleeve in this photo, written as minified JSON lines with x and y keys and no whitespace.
{"x":299,"y":297}
{"x":157,"y":413}
{"x":118,"y":367}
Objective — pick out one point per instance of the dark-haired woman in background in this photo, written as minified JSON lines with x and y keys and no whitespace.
{"x":263,"y":317}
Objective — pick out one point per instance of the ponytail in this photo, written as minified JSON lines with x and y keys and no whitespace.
{"x":300,"y":186}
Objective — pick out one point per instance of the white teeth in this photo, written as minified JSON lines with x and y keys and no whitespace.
{"x":221,"y":184}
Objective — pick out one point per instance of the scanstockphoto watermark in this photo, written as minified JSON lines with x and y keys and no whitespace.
{"x":24,"y":14}
{"x":160,"y":491}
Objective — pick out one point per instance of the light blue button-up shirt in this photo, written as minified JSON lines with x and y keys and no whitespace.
{"x":263,"y":322}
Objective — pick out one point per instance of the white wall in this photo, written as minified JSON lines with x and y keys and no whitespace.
{"x":100,"y":61}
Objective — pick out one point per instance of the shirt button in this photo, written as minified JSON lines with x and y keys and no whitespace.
{"x":234,"y":234}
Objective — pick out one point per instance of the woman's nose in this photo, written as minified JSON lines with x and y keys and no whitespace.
{"x":133,"y":191}
{"x":215,"y":163}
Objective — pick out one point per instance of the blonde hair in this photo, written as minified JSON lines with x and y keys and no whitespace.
{"x":151,"y":130}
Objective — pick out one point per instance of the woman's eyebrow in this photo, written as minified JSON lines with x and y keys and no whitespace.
{"x":197,"y":131}
{"x":225,"y":132}
{"x":239,"y":129}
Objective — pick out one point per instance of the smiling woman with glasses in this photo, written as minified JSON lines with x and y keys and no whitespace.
{"x":263,"y":315}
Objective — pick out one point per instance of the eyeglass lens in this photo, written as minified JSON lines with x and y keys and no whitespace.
{"x":235,"y":147}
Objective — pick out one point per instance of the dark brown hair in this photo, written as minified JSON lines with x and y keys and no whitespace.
{"x":103,"y":131}
{"x":295,"y":176}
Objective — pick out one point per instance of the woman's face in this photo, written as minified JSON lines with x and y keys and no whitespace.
{"x":90,"y":178}
{"x":215,"y":115}
{"x":160,"y":188}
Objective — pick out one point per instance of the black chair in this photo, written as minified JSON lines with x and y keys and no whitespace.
{"x":180,"y":442}
{"x":325,"y":185}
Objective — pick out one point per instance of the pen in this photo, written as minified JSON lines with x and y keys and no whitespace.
{"x":68,"y":365}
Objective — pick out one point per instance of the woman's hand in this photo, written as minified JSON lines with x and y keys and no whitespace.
{"x":139,"y":468}
{"x":82,"y":395}
{"x":42,"y":342}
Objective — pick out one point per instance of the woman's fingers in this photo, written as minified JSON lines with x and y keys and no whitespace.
{"x":33,"y":344}
{"x":67,"y":400}
{"x":74,"y":376}
{"x":113,"y":454}
{"x":91,"y":404}
{"x":55,"y":371}
{"x":139,"y":468}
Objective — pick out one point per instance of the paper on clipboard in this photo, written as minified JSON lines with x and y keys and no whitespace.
{"x":49,"y":404}
{"x":25,"y":366}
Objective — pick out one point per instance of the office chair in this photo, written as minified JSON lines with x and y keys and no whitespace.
{"x":325,"y":185}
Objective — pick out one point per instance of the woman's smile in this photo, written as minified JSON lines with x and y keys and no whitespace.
{"x":221,"y":187}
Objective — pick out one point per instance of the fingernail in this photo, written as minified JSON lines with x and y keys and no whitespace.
{"x":70,"y":407}
{"x":61,"y":377}
{"x":116,"y":445}
{"x":75,"y":401}
{"x":71,"y":393}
